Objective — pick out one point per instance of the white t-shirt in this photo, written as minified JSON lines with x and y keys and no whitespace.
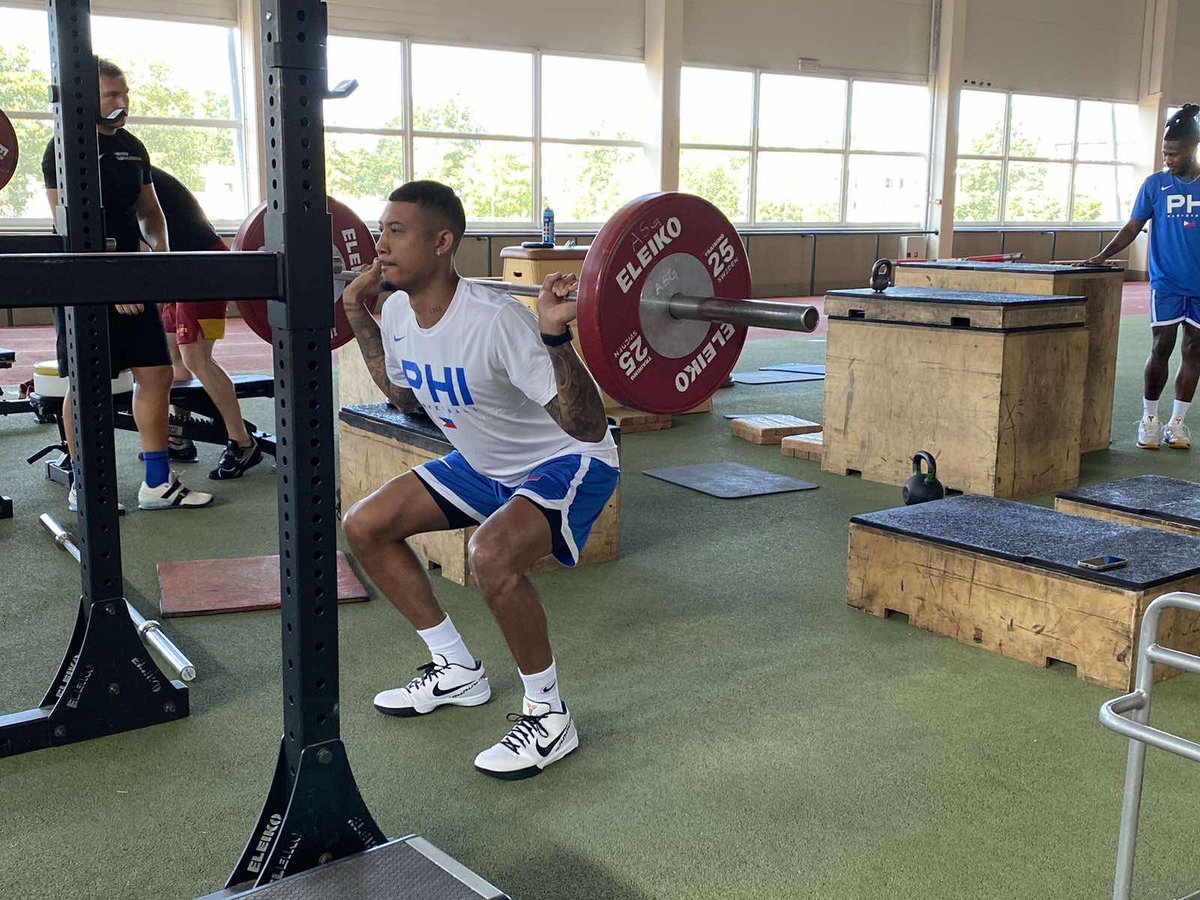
{"x":484,"y":377}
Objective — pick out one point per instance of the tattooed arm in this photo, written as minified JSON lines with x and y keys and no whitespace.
{"x":370,"y":341}
{"x":578,"y":408}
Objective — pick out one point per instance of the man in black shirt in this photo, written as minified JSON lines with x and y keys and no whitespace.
{"x":136,"y":339}
{"x":194,"y":328}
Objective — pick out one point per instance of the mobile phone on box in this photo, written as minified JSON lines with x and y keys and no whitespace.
{"x":1103,"y":563}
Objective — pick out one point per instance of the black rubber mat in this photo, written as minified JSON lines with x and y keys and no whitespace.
{"x":774,"y":377}
{"x":960,"y":298}
{"x":1020,"y":267}
{"x":801,"y":368}
{"x":1034,"y":535}
{"x":729,"y":481}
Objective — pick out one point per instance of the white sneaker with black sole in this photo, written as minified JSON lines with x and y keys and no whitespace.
{"x":439,"y":684}
{"x":171,"y":494}
{"x":540,"y":736}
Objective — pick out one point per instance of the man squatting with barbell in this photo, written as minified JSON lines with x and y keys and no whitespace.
{"x":533,"y":462}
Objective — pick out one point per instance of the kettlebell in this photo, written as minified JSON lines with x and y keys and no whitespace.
{"x":881,"y":275}
{"x":923,"y":486}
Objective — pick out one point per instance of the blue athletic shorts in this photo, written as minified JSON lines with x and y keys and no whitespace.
{"x":570,"y":490}
{"x":1167,"y":309}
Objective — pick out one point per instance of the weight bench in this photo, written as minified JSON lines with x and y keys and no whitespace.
{"x":1005,"y":576}
{"x":204,"y":424}
{"x":379,"y":442}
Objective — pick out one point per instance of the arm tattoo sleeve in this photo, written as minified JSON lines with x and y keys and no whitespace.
{"x":578,"y":408}
{"x":370,"y":343}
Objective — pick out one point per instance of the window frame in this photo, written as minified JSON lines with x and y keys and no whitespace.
{"x":846,"y":151}
{"x":238,"y":128}
{"x":1005,"y":158}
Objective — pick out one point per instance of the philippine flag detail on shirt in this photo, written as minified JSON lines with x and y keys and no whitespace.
{"x":447,"y":423}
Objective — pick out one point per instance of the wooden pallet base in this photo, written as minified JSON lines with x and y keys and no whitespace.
{"x":770,"y":429}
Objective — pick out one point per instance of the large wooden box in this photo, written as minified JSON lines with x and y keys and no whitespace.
{"x":1005,"y":577}
{"x":990,"y":384}
{"x":378,"y":443}
{"x":1101,"y":285}
{"x":1149,"y":501}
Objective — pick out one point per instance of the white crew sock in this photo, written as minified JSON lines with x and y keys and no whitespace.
{"x":444,"y":640}
{"x":1149,"y":409}
{"x":543,"y":687}
{"x":1179,"y":410}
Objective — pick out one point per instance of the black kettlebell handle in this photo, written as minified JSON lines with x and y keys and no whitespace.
{"x":881,"y":275}
{"x":930,"y":463}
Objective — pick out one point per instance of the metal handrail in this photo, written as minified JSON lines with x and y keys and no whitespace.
{"x":1140,"y":734}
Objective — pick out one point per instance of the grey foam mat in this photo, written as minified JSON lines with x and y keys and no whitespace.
{"x":1034,"y":535}
{"x":729,"y":480}
{"x":799,"y":368}
{"x":1153,"y":496}
{"x":960,"y":298}
{"x":774,"y":377}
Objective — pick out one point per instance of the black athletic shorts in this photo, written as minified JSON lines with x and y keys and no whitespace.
{"x":132,"y":340}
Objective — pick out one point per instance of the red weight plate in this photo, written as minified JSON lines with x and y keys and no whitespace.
{"x":618,"y":266}
{"x":9,"y":151}
{"x":352,"y":241}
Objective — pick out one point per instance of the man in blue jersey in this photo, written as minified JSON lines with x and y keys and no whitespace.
{"x":1170,"y":200}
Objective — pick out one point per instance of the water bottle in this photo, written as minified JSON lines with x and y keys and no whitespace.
{"x":548,"y":226}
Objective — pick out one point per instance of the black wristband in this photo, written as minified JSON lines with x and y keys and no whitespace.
{"x":557,"y":340}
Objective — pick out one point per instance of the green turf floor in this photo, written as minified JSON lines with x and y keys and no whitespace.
{"x":744,"y":733}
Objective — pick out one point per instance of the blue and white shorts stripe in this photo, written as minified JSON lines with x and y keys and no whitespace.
{"x":1169,"y":309}
{"x":570,"y":490}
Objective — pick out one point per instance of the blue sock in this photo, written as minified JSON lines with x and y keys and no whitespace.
{"x":158,"y":468}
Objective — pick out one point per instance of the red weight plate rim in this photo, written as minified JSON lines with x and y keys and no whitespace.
{"x":609,"y":318}
{"x":351,"y":238}
{"x":10,"y":150}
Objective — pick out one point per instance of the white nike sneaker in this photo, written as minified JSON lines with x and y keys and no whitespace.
{"x":73,"y":502}
{"x":171,"y":494}
{"x":439,"y":684}
{"x":1149,"y":433}
{"x":1177,"y":436}
{"x":540,"y":737}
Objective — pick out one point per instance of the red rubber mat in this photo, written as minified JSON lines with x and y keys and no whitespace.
{"x":202,"y":587}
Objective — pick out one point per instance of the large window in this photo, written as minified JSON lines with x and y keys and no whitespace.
{"x":1025,"y":159}
{"x":581,"y":151}
{"x":184,"y":105}
{"x":789,"y":149}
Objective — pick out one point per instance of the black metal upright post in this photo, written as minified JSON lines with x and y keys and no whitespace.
{"x":314,"y":813}
{"x":107,"y":681}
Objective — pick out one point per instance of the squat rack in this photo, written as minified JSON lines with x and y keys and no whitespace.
{"x":314,"y":815}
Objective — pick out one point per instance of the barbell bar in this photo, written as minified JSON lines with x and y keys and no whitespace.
{"x":752,"y":313}
{"x":148,"y":629}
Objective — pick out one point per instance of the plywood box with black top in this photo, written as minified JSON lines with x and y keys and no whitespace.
{"x":1101,"y":285}
{"x":377,"y":443}
{"x":1150,"y":501}
{"x":1006,"y":577}
{"x":990,"y":384}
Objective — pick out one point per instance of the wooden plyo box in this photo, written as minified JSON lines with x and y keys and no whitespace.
{"x":378,"y":443}
{"x":990,"y":384}
{"x":770,"y":429}
{"x":1004,"y":576}
{"x":1101,"y":285}
{"x":1148,"y":501}
{"x":802,"y":446}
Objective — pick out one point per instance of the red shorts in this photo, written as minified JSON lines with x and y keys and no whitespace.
{"x":197,"y":319}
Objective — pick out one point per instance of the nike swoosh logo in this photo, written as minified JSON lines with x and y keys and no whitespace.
{"x":547,"y":690}
{"x":1167,"y":188}
{"x":454,"y":690}
{"x":548,"y":749}
{"x":399,"y":339}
